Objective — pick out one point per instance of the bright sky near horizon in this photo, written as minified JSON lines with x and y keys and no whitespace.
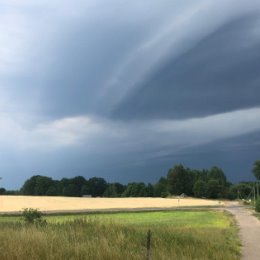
{"x":126,"y":89}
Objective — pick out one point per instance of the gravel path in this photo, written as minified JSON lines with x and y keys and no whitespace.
{"x":249,"y":231}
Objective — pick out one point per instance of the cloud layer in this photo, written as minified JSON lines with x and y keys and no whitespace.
{"x":134,"y":86}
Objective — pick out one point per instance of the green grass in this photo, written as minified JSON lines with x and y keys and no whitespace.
{"x":180,"y":218}
{"x":182,"y":235}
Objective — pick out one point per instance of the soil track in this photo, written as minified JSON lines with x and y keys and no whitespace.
{"x":249,"y":231}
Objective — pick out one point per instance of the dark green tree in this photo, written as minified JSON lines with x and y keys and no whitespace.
{"x":114,"y":190}
{"x":78,"y":182}
{"x":120,"y":188}
{"x":52,"y":191}
{"x":160,"y":187}
{"x":214,"y":189}
{"x":200,"y":188}
{"x":135,"y":189}
{"x":70,"y":190}
{"x":111,"y":191}
{"x":37,"y":185}
{"x":216,"y":173}
{"x":149,"y":190}
{"x":2,"y":191}
{"x":42,"y":185}
{"x":97,"y":186}
{"x":141,"y":190}
{"x":29,"y":186}
{"x":179,"y":181}
{"x":63,"y":183}
{"x":63,"y":186}
{"x":85,"y":189}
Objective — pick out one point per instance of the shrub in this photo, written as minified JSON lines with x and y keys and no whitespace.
{"x":246,"y":202}
{"x":257,"y":205}
{"x":165,"y":194}
{"x":33,"y":216}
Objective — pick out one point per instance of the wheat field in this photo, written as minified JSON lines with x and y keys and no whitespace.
{"x":44,"y":203}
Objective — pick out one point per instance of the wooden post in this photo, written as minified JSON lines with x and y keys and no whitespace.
{"x":148,"y":245}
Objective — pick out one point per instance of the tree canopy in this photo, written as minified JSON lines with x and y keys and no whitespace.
{"x":205,"y":183}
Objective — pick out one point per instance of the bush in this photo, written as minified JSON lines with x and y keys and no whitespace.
{"x":246,"y":202}
{"x":33,"y":216}
{"x":257,"y":205}
{"x":165,"y":194}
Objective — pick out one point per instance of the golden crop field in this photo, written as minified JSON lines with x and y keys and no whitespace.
{"x":44,"y":203}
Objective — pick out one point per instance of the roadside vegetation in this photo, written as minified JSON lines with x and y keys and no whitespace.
{"x":257,"y":205}
{"x":175,"y":235}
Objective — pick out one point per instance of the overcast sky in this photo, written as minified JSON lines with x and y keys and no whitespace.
{"x":126,"y":89}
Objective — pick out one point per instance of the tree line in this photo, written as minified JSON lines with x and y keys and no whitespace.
{"x":207,"y":183}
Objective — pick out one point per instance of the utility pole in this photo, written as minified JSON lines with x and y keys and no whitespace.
{"x":254,"y":192}
{"x":257,"y":189}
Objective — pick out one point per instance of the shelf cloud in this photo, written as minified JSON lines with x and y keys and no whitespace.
{"x":124,"y":90}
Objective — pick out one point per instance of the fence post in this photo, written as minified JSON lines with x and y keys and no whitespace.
{"x":148,"y":245}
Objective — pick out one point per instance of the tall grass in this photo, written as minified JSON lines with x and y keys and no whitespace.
{"x":94,"y":239}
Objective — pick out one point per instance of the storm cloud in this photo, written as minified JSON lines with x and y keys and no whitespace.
{"x":124,"y":90}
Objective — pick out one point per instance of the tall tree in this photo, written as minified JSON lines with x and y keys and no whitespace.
{"x":70,"y":190}
{"x":97,"y":186}
{"x":114,"y":190}
{"x":149,"y":190}
{"x":135,"y":189}
{"x":111,"y":191}
{"x":42,"y":185}
{"x":179,"y":180}
{"x":215,"y":173}
{"x":29,"y":185}
{"x":199,"y":188}
{"x":214,"y":189}
{"x":37,"y":185}
{"x":160,"y":188}
{"x":78,"y":182}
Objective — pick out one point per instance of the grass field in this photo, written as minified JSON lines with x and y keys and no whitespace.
{"x":182,"y":235}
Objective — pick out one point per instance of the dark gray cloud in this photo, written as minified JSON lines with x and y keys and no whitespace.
{"x":219,"y":74}
{"x":124,"y":90}
{"x":84,"y":55}
{"x":235,"y":155}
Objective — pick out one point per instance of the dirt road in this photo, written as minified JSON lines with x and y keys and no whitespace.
{"x":249,"y":231}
